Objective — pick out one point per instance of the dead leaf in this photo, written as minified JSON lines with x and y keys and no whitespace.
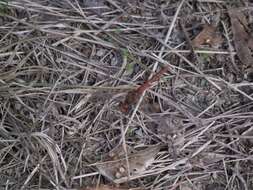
{"x":103,"y":187}
{"x":116,"y":167}
{"x":118,"y":152}
{"x":208,"y":36}
{"x":242,"y":40}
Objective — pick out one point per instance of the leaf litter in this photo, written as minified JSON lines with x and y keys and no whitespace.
{"x":243,"y":39}
{"x":208,"y":36}
{"x":115,"y":167}
{"x":68,"y":93}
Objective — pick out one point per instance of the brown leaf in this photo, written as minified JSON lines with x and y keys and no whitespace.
{"x":138,"y":162}
{"x":242,"y":40}
{"x":208,"y":36}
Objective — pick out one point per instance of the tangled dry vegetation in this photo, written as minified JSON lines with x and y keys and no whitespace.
{"x":67,"y":67}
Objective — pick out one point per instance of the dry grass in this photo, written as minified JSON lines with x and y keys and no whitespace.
{"x":66,"y":65}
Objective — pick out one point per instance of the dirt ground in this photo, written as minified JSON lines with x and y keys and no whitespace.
{"x":126,"y":94}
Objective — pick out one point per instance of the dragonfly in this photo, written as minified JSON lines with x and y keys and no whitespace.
{"x":133,"y":96}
